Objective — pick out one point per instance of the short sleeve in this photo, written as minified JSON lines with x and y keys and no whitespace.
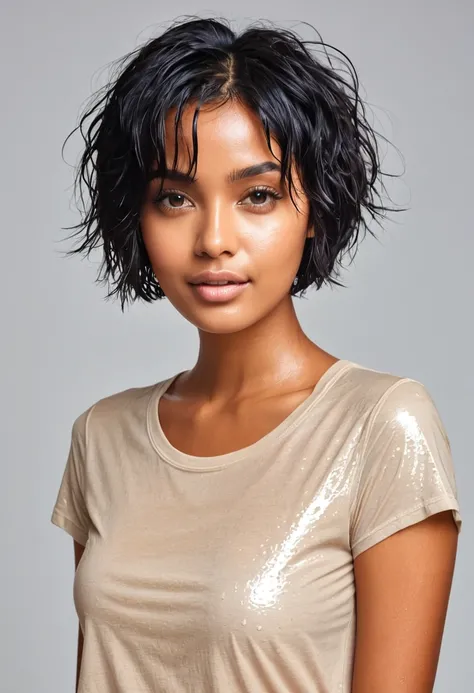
{"x":70,"y":510}
{"x":407,"y":471}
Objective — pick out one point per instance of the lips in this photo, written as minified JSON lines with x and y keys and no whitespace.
{"x":224,"y":277}
{"x":219,"y":286}
{"x":219,"y":293}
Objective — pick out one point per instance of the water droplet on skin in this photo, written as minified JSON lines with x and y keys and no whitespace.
{"x":244,"y":622}
{"x":259,"y":627}
{"x":223,"y":595}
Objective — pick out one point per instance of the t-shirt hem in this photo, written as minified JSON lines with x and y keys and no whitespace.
{"x":411,"y":517}
{"x":70,"y":527}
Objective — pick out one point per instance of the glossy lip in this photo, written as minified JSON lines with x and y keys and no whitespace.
{"x":218,"y":276}
{"x":219,"y":294}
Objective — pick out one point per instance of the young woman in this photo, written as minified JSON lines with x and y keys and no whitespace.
{"x":274,"y":519}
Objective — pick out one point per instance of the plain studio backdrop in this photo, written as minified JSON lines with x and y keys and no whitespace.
{"x":407,"y":308}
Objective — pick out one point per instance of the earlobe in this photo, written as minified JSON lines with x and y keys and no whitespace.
{"x":310,"y":232}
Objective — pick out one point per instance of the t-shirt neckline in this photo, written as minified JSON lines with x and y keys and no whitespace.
{"x":182,"y":460}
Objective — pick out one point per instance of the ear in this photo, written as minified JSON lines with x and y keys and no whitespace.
{"x":310,"y":232}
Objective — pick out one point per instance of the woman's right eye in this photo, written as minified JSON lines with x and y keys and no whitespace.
{"x":173,"y":197}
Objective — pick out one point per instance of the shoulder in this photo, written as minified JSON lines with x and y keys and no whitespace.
{"x":405,"y":470}
{"x":117,"y":408}
{"x":387,"y":404}
{"x":376,"y":392}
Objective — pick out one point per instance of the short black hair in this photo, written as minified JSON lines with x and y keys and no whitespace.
{"x":312,"y":108}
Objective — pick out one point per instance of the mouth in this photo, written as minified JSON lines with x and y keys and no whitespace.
{"x":219,"y":292}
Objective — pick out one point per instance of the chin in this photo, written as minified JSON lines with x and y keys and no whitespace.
{"x":225,"y":319}
{"x":223,"y":324}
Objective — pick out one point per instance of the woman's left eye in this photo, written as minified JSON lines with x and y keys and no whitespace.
{"x":260,"y":194}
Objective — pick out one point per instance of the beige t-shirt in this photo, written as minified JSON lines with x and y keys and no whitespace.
{"x":234,"y":573}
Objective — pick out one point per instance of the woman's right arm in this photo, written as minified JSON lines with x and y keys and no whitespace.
{"x":78,"y":551}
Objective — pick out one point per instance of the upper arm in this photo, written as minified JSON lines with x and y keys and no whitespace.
{"x":402,"y":590}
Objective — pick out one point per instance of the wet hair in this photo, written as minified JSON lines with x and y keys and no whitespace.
{"x":312,"y":108}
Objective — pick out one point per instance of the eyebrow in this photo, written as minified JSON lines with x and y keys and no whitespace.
{"x":232,"y":177}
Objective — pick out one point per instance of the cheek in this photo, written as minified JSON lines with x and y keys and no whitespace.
{"x":165,"y":249}
{"x":278,"y":249}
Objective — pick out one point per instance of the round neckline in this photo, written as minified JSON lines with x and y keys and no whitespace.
{"x":181,"y":460}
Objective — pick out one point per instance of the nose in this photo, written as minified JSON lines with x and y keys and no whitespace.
{"x":216,"y":234}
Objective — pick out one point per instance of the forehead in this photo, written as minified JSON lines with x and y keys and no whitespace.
{"x":229,"y":134}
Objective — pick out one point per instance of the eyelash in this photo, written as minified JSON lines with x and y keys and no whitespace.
{"x":260,"y":188}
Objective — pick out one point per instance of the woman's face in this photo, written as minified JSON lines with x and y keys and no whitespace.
{"x":248,"y":226}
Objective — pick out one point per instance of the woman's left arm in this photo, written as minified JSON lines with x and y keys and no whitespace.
{"x":403,"y":585}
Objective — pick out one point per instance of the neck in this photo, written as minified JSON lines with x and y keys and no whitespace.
{"x":270,"y":353}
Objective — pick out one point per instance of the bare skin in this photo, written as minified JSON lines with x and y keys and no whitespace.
{"x":402,"y":587}
{"x":255,"y":365}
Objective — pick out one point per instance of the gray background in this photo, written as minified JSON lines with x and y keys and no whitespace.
{"x":407,"y":308}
